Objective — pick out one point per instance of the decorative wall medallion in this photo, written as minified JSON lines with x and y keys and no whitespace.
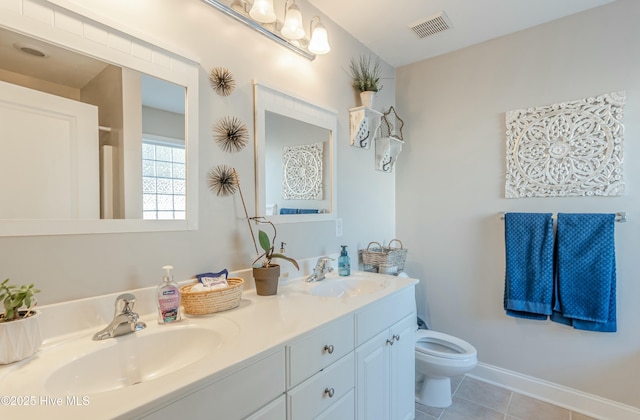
{"x":231,"y":134}
{"x":222,"y":81}
{"x":566,"y":150}
{"x":302,"y":172}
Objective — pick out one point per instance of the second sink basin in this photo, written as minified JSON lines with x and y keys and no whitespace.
{"x":357,"y":284}
{"x":131,"y":359}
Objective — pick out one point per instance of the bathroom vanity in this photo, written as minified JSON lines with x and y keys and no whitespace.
{"x":341,"y":348}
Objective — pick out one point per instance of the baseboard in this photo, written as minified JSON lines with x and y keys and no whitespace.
{"x":578,"y":401}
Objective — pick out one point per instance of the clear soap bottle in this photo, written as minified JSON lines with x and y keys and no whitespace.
{"x":168,"y":295}
{"x":344,"y":263}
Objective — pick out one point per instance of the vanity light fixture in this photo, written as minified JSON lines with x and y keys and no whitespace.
{"x":262,"y":11}
{"x":260,"y":16}
{"x":319,"y":43}
{"x":293,"y":27}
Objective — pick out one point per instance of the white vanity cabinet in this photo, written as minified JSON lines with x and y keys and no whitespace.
{"x":359,"y":365}
{"x":385,"y":359}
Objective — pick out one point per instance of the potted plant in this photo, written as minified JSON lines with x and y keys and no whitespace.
{"x":365,"y":72}
{"x":19,"y":329}
{"x":266,"y":274}
{"x":224,"y":181}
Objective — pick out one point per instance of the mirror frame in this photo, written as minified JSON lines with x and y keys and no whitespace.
{"x":71,"y":26}
{"x":268,"y":98}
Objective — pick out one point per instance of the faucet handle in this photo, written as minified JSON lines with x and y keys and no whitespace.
{"x":124,"y":303}
{"x":323,"y":263}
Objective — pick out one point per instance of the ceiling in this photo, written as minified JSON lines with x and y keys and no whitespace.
{"x":384,"y":26}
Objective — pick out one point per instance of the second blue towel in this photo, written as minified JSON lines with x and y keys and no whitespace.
{"x":585,"y":292}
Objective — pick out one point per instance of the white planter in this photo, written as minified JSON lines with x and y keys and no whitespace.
{"x":367,"y":98}
{"x":19,"y":339}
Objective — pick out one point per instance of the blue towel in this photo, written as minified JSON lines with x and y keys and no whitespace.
{"x":528,"y":289}
{"x":585,"y":289}
{"x":288,"y":211}
{"x":307,"y":211}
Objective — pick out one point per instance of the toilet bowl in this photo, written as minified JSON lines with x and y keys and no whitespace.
{"x":439,"y":357}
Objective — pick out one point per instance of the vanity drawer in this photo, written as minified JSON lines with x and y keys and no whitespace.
{"x":323,"y":390}
{"x":384,"y":313}
{"x":317,"y":351}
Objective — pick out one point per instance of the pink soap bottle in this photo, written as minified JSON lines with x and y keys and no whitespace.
{"x":168,"y":295}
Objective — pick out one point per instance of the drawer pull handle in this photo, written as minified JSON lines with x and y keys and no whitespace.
{"x":396,"y":337}
{"x":329,"y":348}
{"x":390,"y":341}
{"x":329,"y":392}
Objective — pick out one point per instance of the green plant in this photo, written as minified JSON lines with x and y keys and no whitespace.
{"x":366,"y":72}
{"x":14,"y":297}
{"x":268,"y":246}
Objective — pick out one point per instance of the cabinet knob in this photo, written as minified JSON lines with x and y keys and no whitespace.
{"x":329,"y":392}
{"x":329,"y":348}
{"x":390,"y":341}
{"x":396,"y":337}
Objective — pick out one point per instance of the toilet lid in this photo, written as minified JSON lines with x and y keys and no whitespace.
{"x":443,"y":345}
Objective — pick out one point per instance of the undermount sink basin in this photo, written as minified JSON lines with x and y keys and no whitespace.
{"x":131,"y":359}
{"x":358,"y":284}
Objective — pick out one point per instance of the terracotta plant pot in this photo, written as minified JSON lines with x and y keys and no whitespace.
{"x":266,"y":279}
{"x":19,"y":339}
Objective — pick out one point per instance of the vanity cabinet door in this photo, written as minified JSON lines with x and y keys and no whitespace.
{"x":372,"y":378}
{"x":385,"y":364}
{"x":402,"y":369}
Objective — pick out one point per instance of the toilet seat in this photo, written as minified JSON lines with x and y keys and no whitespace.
{"x":443,"y":345}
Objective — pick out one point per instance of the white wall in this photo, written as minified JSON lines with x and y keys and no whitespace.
{"x":450,"y":190}
{"x":68,"y":267}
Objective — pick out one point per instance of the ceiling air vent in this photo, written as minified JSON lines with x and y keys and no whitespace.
{"x":432,"y":25}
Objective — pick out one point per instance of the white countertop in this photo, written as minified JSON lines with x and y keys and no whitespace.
{"x":260,"y":326}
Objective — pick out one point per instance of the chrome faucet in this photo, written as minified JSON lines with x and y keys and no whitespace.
{"x":322,"y":267}
{"x":124,"y":321}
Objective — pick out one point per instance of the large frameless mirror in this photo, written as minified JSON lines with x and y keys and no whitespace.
{"x":295,"y":158}
{"x":94,"y":140}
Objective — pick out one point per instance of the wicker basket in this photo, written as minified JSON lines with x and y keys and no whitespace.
{"x":387,"y":260}
{"x":211,"y":301}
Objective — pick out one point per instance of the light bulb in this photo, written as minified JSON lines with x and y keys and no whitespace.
{"x":262,"y":11}
{"x":293,"y":28}
{"x":319,"y":42}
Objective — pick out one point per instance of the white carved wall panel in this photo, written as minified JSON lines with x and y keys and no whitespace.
{"x":302,"y":172}
{"x":567,"y":149}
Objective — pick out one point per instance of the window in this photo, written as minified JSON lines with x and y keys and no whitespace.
{"x":163,"y":179}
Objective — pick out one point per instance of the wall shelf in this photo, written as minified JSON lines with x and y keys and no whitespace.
{"x":363,"y":126}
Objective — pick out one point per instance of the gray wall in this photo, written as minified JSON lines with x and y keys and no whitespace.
{"x":77,"y":266}
{"x":450,"y":190}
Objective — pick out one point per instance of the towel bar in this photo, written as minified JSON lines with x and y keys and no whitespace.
{"x":621,"y":216}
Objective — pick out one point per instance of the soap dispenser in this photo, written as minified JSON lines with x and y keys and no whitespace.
{"x":168,"y":295}
{"x":344,"y":263}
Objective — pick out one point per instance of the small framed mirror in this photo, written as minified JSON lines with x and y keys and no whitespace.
{"x":295,"y":157}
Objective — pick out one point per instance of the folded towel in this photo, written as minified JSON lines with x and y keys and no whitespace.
{"x":288,"y":211}
{"x":307,"y":211}
{"x":528,"y":289}
{"x":585,"y":279}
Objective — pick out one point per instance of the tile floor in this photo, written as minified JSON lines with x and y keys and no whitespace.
{"x":478,"y":400}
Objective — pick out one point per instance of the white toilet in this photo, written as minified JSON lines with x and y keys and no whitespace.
{"x":439,"y":357}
